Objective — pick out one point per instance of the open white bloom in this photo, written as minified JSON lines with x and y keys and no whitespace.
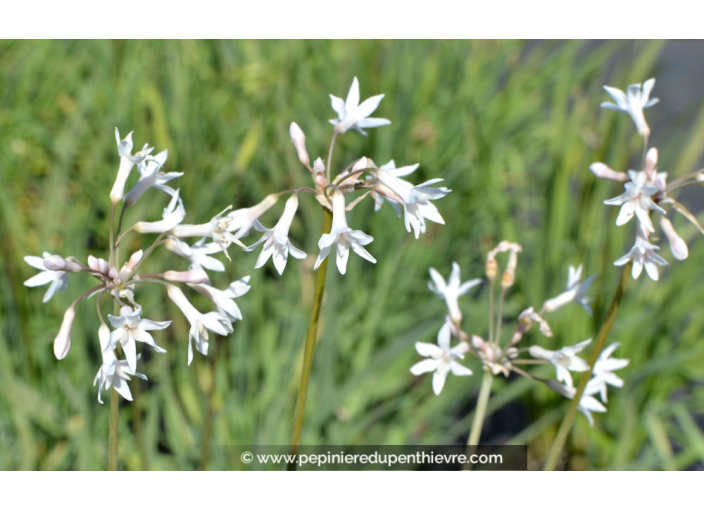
{"x":217,"y":229}
{"x":603,"y":372}
{"x":131,"y":328}
{"x":127,"y":161}
{"x":241,"y":221}
{"x":575,"y":292}
{"x":113,"y":372}
{"x":223,"y":299}
{"x":587,"y":404}
{"x":415,"y":199}
{"x":636,"y":200}
{"x":198,"y":254}
{"x":57,"y":279}
{"x":441,"y":359}
{"x":276,"y":242}
{"x":636,"y":98}
{"x":151,"y":177}
{"x":563,"y":360}
{"x":352,"y":115}
{"x":451,"y":290}
{"x":173,"y":214}
{"x":342,"y":237}
{"x":200,"y":323}
{"x":381,"y":192}
{"x":643,"y":255}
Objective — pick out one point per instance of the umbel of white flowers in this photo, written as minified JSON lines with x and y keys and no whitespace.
{"x":361,"y":177}
{"x":646,"y":190}
{"x":503,"y":357}
{"x":120,"y":284}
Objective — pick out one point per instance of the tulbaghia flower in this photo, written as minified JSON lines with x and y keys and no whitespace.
{"x":352,"y":115}
{"x":113,"y":372}
{"x":415,"y":199}
{"x":173,"y":214}
{"x":643,"y":255}
{"x":200,"y":323}
{"x":223,"y":299}
{"x":563,"y":360}
{"x":127,"y":161}
{"x":216,"y":228}
{"x":198,"y":254}
{"x":241,"y":221}
{"x":441,"y":359}
{"x":342,"y":237}
{"x":151,"y":177}
{"x":131,"y":328}
{"x":604,"y":172}
{"x":636,"y":200}
{"x":62,"y":342}
{"x":451,"y":290}
{"x":276,"y":242}
{"x":636,"y":98}
{"x":677,"y":245}
{"x":587,"y":404}
{"x":58,"y":279}
{"x":603,"y":372}
{"x":575,"y":292}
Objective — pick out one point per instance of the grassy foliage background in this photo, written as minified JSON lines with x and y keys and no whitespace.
{"x":511,"y":126}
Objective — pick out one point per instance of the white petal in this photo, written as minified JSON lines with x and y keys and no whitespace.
{"x":444,"y":336}
{"x":439,"y":380}
{"x":429,"y":350}
{"x":427,"y":365}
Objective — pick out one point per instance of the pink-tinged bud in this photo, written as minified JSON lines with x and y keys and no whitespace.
{"x":104,"y":336}
{"x":651,"y":161}
{"x":604,"y":172}
{"x":677,"y":245}
{"x":192,"y":276}
{"x":99,"y":265}
{"x":299,"y":142}
{"x":361,"y":164}
{"x":135,"y":259}
{"x":58,"y":263}
{"x":319,"y":166}
{"x":62,"y":342}
{"x":478,"y":343}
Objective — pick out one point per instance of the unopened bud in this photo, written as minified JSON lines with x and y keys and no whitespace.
{"x":492,"y":267}
{"x":677,"y":245}
{"x":135,"y":259}
{"x":58,"y":263}
{"x":604,"y":172}
{"x":62,"y":342}
{"x":192,"y":276}
{"x":299,"y":142}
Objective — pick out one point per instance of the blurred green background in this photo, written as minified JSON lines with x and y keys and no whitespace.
{"x":512,"y":128}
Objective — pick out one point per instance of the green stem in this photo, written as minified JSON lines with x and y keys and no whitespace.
{"x":138,"y":423}
{"x":479,"y":413}
{"x":210,"y":415}
{"x":112,"y":434}
{"x":309,"y":347}
{"x":564,"y":430}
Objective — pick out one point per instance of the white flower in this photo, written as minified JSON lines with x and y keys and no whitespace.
{"x":352,"y":115}
{"x":575,"y":292}
{"x":451,"y":290}
{"x":241,"y":221}
{"x":643,"y":254}
{"x":276,"y":242}
{"x":441,"y":359}
{"x":602,"y":373}
{"x":151,"y":177}
{"x":415,"y":199}
{"x":58,"y":279}
{"x":172,"y":215}
{"x":563,"y":360}
{"x":223,"y":299}
{"x":636,"y":200}
{"x":200,"y":323}
{"x":131,"y":328}
{"x":62,"y":342}
{"x":217,"y":229}
{"x":342,"y":237}
{"x":127,"y":161}
{"x":587,"y":404}
{"x":633,"y":102}
{"x":198,"y":254}
{"x":113,"y":372}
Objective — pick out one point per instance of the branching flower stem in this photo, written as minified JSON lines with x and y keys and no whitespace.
{"x":311,"y":337}
{"x":564,"y":430}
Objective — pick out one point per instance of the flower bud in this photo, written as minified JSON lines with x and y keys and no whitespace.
{"x":299,"y":142}
{"x":58,"y":263}
{"x":677,"y":245}
{"x":651,"y":161}
{"x":604,"y":172}
{"x":135,"y":259}
{"x":492,"y":267}
{"x":62,"y":342}
{"x":192,"y":276}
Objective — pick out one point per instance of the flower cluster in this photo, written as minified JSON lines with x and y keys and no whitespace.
{"x":120,"y":283}
{"x":499,"y":357}
{"x":646,"y":190}
{"x":382,"y":183}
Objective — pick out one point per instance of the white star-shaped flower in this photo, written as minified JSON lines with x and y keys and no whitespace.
{"x":576,"y":292}
{"x":342,"y":237}
{"x":643,"y":255}
{"x":151,"y":177}
{"x":603,"y":372}
{"x":587,"y":404}
{"x":224,"y":299}
{"x":198,"y":254}
{"x":451,"y":290}
{"x":636,"y":200}
{"x":563,"y":360}
{"x":636,"y":98}
{"x":131,"y":328}
{"x":113,"y":372}
{"x":58,"y":279}
{"x":352,"y":115}
{"x":441,"y":359}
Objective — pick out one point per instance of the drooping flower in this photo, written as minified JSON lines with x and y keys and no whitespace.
{"x":441,"y":358}
{"x":173,"y":214}
{"x":113,"y":372}
{"x":451,"y":290}
{"x":587,"y":404}
{"x":58,"y":279}
{"x":276,"y":242}
{"x":603,"y":372}
{"x":198,"y":254}
{"x":643,"y":255}
{"x":563,"y":360}
{"x":243,"y":220}
{"x":131,"y":328}
{"x":576,"y":292}
{"x":352,"y":115}
{"x":151,"y":177}
{"x":224,"y":299}
{"x":342,"y":237}
{"x":636,"y":200}
{"x":636,"y":98}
